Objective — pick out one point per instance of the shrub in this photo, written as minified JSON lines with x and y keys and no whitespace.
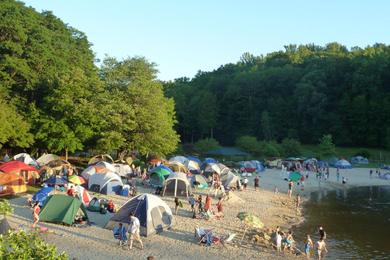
{"x":22,"y":245}
{"x":270,"y":149}
{"x":327,"y":148}
{"x":207,"y":144}
{"x":248,"y":144}
{"x":363,"y":153}
{"x":291,"y":147}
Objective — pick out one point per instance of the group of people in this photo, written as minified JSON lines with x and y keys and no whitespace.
{"x":198,"y":208}
{"x":284,"y":241}
{"x":133,"y":229}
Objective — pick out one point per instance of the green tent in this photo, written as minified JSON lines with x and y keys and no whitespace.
{"x":61,"y":209}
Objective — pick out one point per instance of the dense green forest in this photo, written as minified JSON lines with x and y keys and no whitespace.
{"x":53,"y":97}
{"x":302,"y":92}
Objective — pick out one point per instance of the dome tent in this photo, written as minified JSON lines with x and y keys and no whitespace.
{"x":177,"y":184}
{"x":343,"y":164}
{"x":158,"y":175}
{"x":105,"y":183}
{"x":153,"y":213}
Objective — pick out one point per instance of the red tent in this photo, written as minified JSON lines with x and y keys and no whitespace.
{"x":27,"y":172}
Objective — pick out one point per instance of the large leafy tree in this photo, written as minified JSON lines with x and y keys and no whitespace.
{"x":137,"y":115}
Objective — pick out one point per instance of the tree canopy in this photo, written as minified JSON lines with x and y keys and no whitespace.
{"x":302,"y":92}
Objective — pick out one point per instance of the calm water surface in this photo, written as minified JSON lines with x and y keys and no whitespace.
{"x":357,"y":222}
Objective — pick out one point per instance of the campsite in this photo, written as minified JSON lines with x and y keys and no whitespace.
{"x":194,"y":129}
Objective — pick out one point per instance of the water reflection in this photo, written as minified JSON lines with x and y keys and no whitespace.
{"x":357,"y":222}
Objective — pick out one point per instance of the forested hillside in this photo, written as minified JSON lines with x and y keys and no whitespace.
{"x":302,"y":92}
{"x":54,"y":98}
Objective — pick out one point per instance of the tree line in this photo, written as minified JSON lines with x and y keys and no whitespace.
{"x":300,"y":93}
{"x":53,"y":97}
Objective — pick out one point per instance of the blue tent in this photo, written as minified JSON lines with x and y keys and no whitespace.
{"x":56,"y":180}
{"x":343,"y":164}
{"x":112,"y":187}
{"x":209,"y":160}
{"x":359,"y":160}
{"x":196,"y":159}
{"x":41,"y":195}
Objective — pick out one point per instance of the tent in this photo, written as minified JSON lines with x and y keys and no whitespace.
{"x":42,"y":195}
{"x":11,"y":183}
{"x":99,"y":167}
{"x":198,"y":181}
{"x":181,"y":159}
{"x":295,"y":176}
{"x":94,"y":205}
{"x":177,"y":166}
{"x":177,"y":184}
{"x":62,"y":209}
{"x":153,"y":213}
{"x":212,"y":167}
{"x":26,"y":158}
{"x":27,"y":172}
{"x":76,"y":179}
{"x":101,"y":158}
{"x":46,"y":158}
{"x":258,"y":166}
{"x":192,"y":166}
{"x":105,"y":183}
{"x":343,"y":164}
{"x":56,"y":180}
{"x":359,"y":160}
{"x":230,"y":180}
{"x":158,"y":175}
{"x":122,"y":170}
{"x":82,"y":194}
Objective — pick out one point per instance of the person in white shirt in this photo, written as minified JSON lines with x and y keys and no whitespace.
{"x":278,"y":241}
{"x":134,"y":229}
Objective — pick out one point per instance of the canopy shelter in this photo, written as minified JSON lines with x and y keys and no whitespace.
{"x":343,"y":164}
{"x":47,"y":158}
{"x":63,"y":209}
{"x":105,"y":183}
{"x":101,"y":158}
{"x":27,"y":172}
{"x":26,"y":158}
{"x":153,"y":213}
{"x":176,"y":185}
{"x":11,"y":183}
{"x":42,"y":195}
{"x":158,"y":175}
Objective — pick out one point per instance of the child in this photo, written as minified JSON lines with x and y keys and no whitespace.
{"x":200,"y":204}
{"x":120,"y":233}
{"x":278,"y":241}
{"x":177,"y":203}
{"x":192,"y":201}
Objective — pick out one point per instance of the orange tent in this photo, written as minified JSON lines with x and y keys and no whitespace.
{"x":27,"y":172}
{"x":11,"y":183}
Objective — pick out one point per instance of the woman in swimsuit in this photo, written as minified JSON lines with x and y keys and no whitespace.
{"x":321,"y":248}
{"x":308,"y":246}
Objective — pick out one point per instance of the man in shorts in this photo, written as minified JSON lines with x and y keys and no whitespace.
{"x":257,"y":182}
{"x":134,"y":230}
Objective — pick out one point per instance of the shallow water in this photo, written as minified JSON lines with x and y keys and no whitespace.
{"x":356,"y":220}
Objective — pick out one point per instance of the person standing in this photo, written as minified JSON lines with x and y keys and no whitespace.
{"x":245,"y":182}
{"x":278,"y":241}
{"x":257,"y":182}
{"x":322,"y":232}
{"x":200,"y":204}
{"x":298,"y":202}
{"x":219,"y":207}
{"x":321,"y":248}
{"x":36,"y":211}
{"x":290,"y":187}
{"x":370,"y":173}
{"x":177,"y":203}
{"x":134,"y":230}
{"x":207,"y":204}
{"x":308,"y":246}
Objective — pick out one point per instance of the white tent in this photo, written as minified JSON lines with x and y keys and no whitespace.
{"x":26,"y":158}
{"x":230,"y":180}
{"x":46,"y":158}
{"x":177,"y":184}
{"x":181,"y":159}
{"x":83,"y":195}
{"x":153,"y":213}
{"x":100,"y":182}
{"x":122,"y":170}
{"x":100,"y":167}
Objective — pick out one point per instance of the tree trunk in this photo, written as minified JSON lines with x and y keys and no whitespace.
{"x":66,"y":154}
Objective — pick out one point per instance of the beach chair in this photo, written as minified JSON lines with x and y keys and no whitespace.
{"x":228,"y":239}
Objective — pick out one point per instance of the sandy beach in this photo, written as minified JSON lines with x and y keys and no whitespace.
{"x":95,"y":242}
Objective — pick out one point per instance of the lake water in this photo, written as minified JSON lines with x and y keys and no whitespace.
{"x":356,"y":220}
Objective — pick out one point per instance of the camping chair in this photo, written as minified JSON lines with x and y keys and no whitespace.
{"x":204,"y":236}
{"x":228,"y":239}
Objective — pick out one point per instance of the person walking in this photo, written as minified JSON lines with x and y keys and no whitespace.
{"x":177,"y":203}
{"x":36,"y":211}
{"x":321,"y":249}
{"x":257,"y":182}
{"x":134,"y":230}
{"x":290,"y":187}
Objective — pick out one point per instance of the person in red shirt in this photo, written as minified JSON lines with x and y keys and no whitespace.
{"x":36,"y":211}
{"x":219,"y":207}
{"x":207,"y":204}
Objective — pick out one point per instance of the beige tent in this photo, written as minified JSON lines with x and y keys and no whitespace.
{"x":177,"y":184}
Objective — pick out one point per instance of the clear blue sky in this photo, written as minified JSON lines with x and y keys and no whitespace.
{"x":184,"y":36}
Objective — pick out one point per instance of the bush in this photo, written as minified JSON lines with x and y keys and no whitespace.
{"x":207,"y":144}
{"x":270,"y":149}
{"x":22,"y":245}
{"x":5,"y":208}
{"x":291,"y":147}
{"x":248,"y":144}
{"x":327,"y":148}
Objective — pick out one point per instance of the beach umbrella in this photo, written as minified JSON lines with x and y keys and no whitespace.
{"x":295,"y":176}
{"x":76,"y":179}
{"x":250,"y":220}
